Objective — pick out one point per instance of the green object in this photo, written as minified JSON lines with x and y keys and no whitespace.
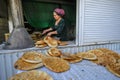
{"x":40,"y":14}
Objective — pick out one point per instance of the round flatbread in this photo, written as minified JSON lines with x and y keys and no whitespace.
{"x":108,"y":57}
{"x":47,"y":54}
{"x":32,"y":75}
{"x":104,"y":50}
{"x":114,"y":54}
{"x":63,"y":43}
{"x":89,"y":56}
{"x":50,"y":41}
{"x":96,"y":52}
{"x":114,"y":68}
{"x":41,"y":46}
{"x":54,"y":52}
{"x":118,"y":60}
{"x":71,"y":58}
{"x":32,"y":57}
{"x":56,"y":64}
{"x":23,"y":65}
{"x":105,"y":60}
{"x":40,"y":42}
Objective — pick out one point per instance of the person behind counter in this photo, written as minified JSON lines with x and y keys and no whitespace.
{"x":59,"y":24}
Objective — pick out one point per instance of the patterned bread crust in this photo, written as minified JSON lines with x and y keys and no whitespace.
{"x":56,"y":64}
{"x":32,"y":75}
{"x":32,"y":57}
{"x":22,"y":65}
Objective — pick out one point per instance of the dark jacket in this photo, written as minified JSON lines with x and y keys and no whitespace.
{"x":59,"y":28}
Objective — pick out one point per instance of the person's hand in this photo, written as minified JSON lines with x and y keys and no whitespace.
{"x":44,"y":31}
{"x":49,"y":34}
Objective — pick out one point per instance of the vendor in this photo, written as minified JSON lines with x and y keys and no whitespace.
{"x":59,"y":24}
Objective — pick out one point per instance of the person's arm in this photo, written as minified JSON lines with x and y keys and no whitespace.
{"x":47,"y":30}
{"x":51,"y":33}
{"x":57,"y":29}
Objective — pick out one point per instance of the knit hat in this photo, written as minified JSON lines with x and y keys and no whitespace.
{"x":59,"y":11}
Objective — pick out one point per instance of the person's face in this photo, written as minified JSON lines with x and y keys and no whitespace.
{"x":56,"y":16}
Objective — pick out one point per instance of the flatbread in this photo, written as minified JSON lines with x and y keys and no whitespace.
{"x":56,"y":64}
{"x":114,"y":68}
{"x":104,"y":56}
{"x":96,"y":52}
{"x":54,"y":52}
{"x":105,"y":60}
{"x":114,"y":54}
{"x":71,"y":58}
{"x":23,"y":65}
{"x":85,"y":55}
{"x":32,"y":57}
{"x":40,"y":42}
{"x":118,"y":60}
{"x":111,"y":53}
{"x":41,"y":46}
{"x":32,"y":75}
{"x":50,"y":41}
{"x":63,"y":43}
{"x":104,"y":50}
{"x":47,"y":54}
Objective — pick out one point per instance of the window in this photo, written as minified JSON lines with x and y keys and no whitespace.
{"x":38,"y":13}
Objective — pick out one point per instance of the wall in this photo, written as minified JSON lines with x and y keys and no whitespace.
{"x":3,"y":8}
{"x":3,"y":19}
{"x":3,"y":29}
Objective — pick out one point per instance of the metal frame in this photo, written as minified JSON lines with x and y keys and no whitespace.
{"x":81,"y":22}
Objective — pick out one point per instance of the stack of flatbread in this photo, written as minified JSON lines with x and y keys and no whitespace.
{"x":49,"y":41}
{"x":62,"y":43}
{"x":36,"y":36}
{"x":71,"y":58}
{"x":54,"y":52}
{"x":40,"y":44}
{"x":29,"y":60}
{"x":114,"y":68}
{"x":32,"y":75}
{"x":57,"y":61}
{"x":107,"y":58}
{"x":86,"y":55}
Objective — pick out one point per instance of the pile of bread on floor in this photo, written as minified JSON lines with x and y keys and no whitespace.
{"x":57,"y":61}
{"x":49,"y":41}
